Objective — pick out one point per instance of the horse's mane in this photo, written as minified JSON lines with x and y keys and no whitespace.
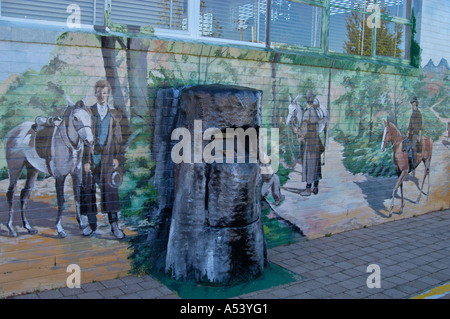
{"x":78,"y":105}
{"x":395,"y":130}
{"x":392,"y":125}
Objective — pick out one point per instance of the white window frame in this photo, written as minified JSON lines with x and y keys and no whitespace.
{"x":193,"y":32}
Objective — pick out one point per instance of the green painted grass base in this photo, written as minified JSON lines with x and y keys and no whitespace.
{"x":277,"y":232}
{"x":273,"y":276}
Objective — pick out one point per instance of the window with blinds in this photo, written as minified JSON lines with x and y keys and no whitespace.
{"x":162,"y":14}
{"x":52,"y":10}
{"x":295,"y":23}
{"x":354,"y":30}
{"x":327,"y":26}
{"x":240,"y":20}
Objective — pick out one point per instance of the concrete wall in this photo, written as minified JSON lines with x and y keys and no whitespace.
{"x":434,"y":32}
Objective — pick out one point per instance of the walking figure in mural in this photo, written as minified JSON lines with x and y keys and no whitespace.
{"x":309,"y":134}
{"x":392,"y":135}
{"x":53,"y":146}
{"x":413,"y":135}
{"x":101,"y":163}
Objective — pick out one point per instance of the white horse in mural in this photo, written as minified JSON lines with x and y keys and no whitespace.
{"x":55,"y":149}
{"x":296,"y":111}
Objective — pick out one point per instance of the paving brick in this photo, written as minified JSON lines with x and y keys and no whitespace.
{"x":441,"y":265}
{"x":327,"y":280}
{"x":394,"y":280}
{"x":27,"y":296}
{"x":149,"y":293}
{"x":286,"y":255}
{"x":293,"y":262}
{"x":304,"y":295}
{"x":265,"y":294}
{"x":132,"y":288}
{"x":355,"y":271}
{"x":129,"y":280}
{"x":111,"y":292}
{"x":164,"y":290}
{"x":359,"y":262}
{"x":430,"y":280}
{"x":299,"y":269}
{"x":312,"y":274}
{"x":429,"y":268}
{"x":386,"y":262}
{"x":90,"y":295}
{"x":92,"y":286}
{"x":281,"y":293}
{"x":112,"y":283}
{"x":66,"y":292}
{"x":149,"y":284}
{"x":378,"y":295}
{"x":395,"y":293}
{"x":337,"y":258}
{"x":312,"y":284}
{"x":344,"y":265}
{"x":420,"y":285}
{"x":320,"y":293}
{"x":351,"y":284}
{"x":340,"y":276}
{"x":129,"y":296}
{"x":332,"y":269}
{"x":297,"y":288}
{"x":358,"y":293}
{"x":50,"y":294}
{"x":171,"y":296}
{"x":408,"y":289}
{"x":70,"y":297}
{"x":441,"y":275}
{"x":335,"y":288}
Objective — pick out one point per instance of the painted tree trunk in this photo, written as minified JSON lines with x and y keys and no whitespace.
{"x":216,"y":233}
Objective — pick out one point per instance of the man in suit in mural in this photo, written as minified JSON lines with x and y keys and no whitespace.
{"x":414,"y":133}
{"x":313,"y":147}
{"x":102,"y":161}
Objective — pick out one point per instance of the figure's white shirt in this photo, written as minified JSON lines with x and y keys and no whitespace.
{"x":102,"y":110}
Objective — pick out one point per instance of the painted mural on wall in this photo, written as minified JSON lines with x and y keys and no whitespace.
{"x":336,"y":138}
{"x":362,"y":181}
{"x":89,"y":143}
{"x":53,"y":146}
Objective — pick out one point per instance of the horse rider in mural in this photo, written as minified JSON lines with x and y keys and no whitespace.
{"x":411,"y":144}
{"x":101,"y":163}
{"x":313,"y":147}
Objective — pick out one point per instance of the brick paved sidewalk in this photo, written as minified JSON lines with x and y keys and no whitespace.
{"x":413,"y":255}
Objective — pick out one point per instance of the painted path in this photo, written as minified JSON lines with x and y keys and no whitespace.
{"x":37,"y":262}
{"x":346,"y":201}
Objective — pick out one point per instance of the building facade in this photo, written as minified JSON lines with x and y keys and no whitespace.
{"x":363,"y":60}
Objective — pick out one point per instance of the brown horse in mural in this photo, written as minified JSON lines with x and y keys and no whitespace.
{"x":56,"y":152}
{"x":393,"y":135}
